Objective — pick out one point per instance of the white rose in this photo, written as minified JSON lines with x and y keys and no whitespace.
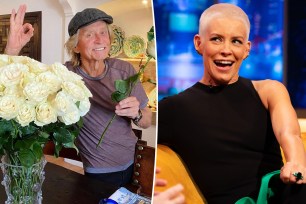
{"x":60,"y":71}
{"x":84,"y":107}
{"x":2,"y":89}
{"x":9,"y":107}
{"x":36,"y":91}
{"x":71,"y":117}
{"x":58,"y":68}
{"x":27,"y":78}
{"x":12,"y":74}
{"x":51,"y":80}
{"x":36,"y":66}
{"x":74,"y":77}
{"x":15,"y":91}
{"x":63,"y":103}
{"x":151,"y":48}
{"x":4,"y":60}
{"x":84,"y":87}
{"x":26,"y":114}
{"x":18,"y":59}
{"x":76,"y":92}
{"x":45,"y":114}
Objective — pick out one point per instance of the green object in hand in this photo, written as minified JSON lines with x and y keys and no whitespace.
{"x":124,"y":88}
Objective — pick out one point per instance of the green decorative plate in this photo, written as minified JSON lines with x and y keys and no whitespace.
{"x":134,"y":47}
{"x":117,"y":44}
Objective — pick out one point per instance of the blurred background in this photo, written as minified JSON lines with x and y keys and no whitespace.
{"x":278,"y":33}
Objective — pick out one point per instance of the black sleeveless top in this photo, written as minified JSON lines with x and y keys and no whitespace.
{"x":225,"y":137}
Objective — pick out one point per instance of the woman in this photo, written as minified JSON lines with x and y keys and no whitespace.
{"x":89,"y":46}
{"x":228,"y":129}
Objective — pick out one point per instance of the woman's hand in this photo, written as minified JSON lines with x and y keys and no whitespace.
{"x":19,"y":34}
{"x":159,"y":181}
{"x":293,"y":173}
{"x":172,"y":195}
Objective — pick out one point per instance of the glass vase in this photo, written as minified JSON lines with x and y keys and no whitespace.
{"x":23,"y":184}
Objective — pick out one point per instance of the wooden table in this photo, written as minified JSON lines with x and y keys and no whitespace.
{"x":65,"y":186}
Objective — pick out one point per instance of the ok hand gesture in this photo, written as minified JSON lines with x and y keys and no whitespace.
{"x":19,"y":34}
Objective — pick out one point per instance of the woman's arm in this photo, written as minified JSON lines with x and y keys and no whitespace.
{"x":286,"y":128}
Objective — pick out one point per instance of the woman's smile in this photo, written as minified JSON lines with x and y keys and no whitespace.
{"x":223,"y":65}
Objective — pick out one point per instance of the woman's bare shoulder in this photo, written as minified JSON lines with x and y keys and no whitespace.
{"x":270,"y":91}
{"x":267,"y":85}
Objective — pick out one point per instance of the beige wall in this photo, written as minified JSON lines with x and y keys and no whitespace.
{"x":131,"y":15}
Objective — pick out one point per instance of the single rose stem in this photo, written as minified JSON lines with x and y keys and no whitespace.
{"x":103,"y":134}
{"x":132,"y":84}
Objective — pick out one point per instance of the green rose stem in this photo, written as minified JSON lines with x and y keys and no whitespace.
{"x":109,"y":123}
{"x":123,"y":90}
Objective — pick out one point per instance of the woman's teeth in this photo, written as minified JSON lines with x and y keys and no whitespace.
{"x":223,"y":63}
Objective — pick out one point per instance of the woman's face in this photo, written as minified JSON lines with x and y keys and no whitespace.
{"x":94,"y":42}
{"x":223,"y":45}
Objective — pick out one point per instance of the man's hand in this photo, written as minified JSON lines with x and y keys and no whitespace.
{"x":19,"y":34}
{"x":128,"y":107}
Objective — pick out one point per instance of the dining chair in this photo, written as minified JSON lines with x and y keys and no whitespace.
{"x":143,"y":168}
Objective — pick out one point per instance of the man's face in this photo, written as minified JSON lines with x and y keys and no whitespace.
{"x":94,"y":42}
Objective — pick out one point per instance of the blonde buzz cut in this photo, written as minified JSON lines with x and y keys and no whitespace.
{"x":223,"y":10}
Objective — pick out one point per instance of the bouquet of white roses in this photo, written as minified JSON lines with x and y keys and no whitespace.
{"x":38,"y":103}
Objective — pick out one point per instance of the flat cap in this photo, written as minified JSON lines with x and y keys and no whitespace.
{"x":86,"y":17}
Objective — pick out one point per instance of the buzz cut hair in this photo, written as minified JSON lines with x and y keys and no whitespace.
{"x":223,"y":10}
